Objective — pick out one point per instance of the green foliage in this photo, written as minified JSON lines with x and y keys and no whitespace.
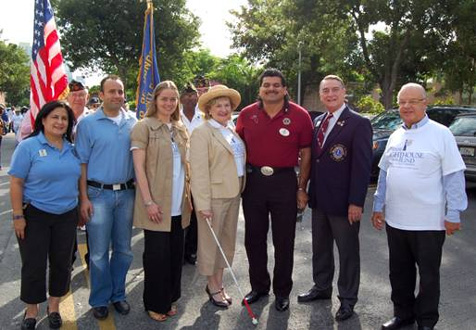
{"x":14,"y":74}
{"x":108,"y":34}
{"x":444,"y":101}
{"x":340,"y":37}
{"x":238,"y":73}
{"x":368,"y":105}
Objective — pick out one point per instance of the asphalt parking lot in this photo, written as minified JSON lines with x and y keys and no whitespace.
{"x":458,"y":283}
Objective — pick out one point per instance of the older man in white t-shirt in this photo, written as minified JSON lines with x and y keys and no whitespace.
{"x":421,"y":176}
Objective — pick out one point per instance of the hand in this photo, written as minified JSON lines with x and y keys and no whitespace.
{"x":378,"y":219}
{"x":206,"y":215}
{"x":19,"y":227}
{"x":452,"y":227}
{"x":354,"y":213}
{"x":86,"y":210}
{"x":154,"y":212}
{"x":302,"y":199}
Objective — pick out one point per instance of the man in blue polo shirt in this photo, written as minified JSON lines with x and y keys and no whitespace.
{"x":107,"y":196}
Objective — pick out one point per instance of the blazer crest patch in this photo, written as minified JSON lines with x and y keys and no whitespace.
{"x":338,"y":152}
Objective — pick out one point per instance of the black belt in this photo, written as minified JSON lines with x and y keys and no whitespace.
{"x":267,"y":170}
{"x":118,"y":186}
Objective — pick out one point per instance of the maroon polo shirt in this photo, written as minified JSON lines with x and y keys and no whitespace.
{"x":274,"y":141}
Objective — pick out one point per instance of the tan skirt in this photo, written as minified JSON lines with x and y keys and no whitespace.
{"x":224,"y":223}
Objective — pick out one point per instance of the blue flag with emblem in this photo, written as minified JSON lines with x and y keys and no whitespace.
{"x":149,"y":72}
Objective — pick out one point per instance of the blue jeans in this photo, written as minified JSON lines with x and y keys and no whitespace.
{"x":110,"y":225}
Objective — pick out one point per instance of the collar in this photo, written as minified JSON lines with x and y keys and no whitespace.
{"x":100,"y":113}
{"x":215,"y":124}
{"x":196,"y":113}
{"x":421,"y":123}
{"x":336,"y":114}
{"x":42,"y":139}
{"x":156,"y":123}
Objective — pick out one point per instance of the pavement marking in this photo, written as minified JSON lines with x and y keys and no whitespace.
{"x":107,"y":324}
{"x":67,"y":312}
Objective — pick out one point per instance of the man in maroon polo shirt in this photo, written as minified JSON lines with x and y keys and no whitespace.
{"x":276,"y":133}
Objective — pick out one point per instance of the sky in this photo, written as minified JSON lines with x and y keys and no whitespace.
{"x":16,"y":21}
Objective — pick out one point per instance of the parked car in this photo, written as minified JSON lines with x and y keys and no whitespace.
{"x":464,"y":130}
{"x":387,"y":122}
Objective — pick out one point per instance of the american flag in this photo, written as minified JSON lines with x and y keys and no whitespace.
{"x":48,"y":79}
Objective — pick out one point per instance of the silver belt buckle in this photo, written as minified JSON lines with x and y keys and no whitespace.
{"x":267,"y":170}
{"x":116,"y":186}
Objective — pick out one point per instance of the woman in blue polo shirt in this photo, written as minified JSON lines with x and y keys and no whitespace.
{"x":44,"y":195}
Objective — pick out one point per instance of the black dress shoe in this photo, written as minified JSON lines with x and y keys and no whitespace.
{"x":122,"y":307}
{"x":253,"y":296}
{"x":281,"y":304}
{"x":28,"y":323}
{"x":100,"y":312}
{"x":315,"y":294}
{"x":397,"y":323}
{"x":425,"y":327}
{"x":344,"y":313}
{"x":54,"y":319}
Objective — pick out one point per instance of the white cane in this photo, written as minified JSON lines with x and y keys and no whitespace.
{"x":254,"y":320}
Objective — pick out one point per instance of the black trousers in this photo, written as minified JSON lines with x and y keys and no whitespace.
{"x":48,"y":237}
{"x":191,"y":235}
{"x":325,"y":230}
{"x":409,"y":249}
{"x":276,"y":196}
{"x":162,"y":259}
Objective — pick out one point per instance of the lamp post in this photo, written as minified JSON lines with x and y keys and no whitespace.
{"x":299,"y":74}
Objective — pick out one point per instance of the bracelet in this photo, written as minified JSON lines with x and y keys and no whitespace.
{"x":149,"y":203}
{"x":18,"y":217}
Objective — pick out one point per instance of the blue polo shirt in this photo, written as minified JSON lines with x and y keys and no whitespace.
{"x":50,"y":175}
{"x":105,"y":147}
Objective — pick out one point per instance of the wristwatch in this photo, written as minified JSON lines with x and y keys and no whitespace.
{"x":18,"y":216}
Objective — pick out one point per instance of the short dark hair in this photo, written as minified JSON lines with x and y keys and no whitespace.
{"x":46,"y":110}
{"x":109,"y":77}
{"x":271,"y":72}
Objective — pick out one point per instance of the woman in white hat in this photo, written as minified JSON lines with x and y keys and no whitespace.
{"x":217,"y":160}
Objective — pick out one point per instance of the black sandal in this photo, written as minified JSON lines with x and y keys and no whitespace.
{"x":221,"y":304}
{"x":54,"y":318}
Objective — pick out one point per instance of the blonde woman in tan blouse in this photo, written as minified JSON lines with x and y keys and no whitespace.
{"x":159,"y":145}
{"x":217,"y":160}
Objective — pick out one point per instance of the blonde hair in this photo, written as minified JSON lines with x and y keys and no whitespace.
{"x":212,"y":102}
{"x":151,"y":105}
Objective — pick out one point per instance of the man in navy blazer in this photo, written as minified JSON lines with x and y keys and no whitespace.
{"x":340,"y":173}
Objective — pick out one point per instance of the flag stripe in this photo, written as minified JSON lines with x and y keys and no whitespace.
{"x":48,"y":79}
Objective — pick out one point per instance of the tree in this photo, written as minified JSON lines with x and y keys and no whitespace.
{"x":459,"y":65}
{"x":238,"y":73}
{"x":108,"y":35}
{"x":340,"y":36}
{"x":14,"y":73}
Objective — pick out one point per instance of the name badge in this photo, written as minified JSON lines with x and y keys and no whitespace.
{"x":284,"y":132}
{"x":42,"y":152}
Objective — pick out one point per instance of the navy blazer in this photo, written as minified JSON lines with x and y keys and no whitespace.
{"x":340,"y":172}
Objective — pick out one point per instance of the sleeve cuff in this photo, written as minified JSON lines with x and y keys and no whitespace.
{"x":453,"y":216}
{"x":378,"y":206}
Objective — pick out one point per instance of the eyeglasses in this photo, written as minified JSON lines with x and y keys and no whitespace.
{"x":410,"y":102}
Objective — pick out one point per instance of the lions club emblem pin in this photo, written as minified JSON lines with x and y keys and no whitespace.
{"x":286,"y":121}
{"x":338,"y":152}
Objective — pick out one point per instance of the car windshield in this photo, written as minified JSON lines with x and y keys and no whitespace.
{"x":464,"y":126}
{"x":389,"y":120}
